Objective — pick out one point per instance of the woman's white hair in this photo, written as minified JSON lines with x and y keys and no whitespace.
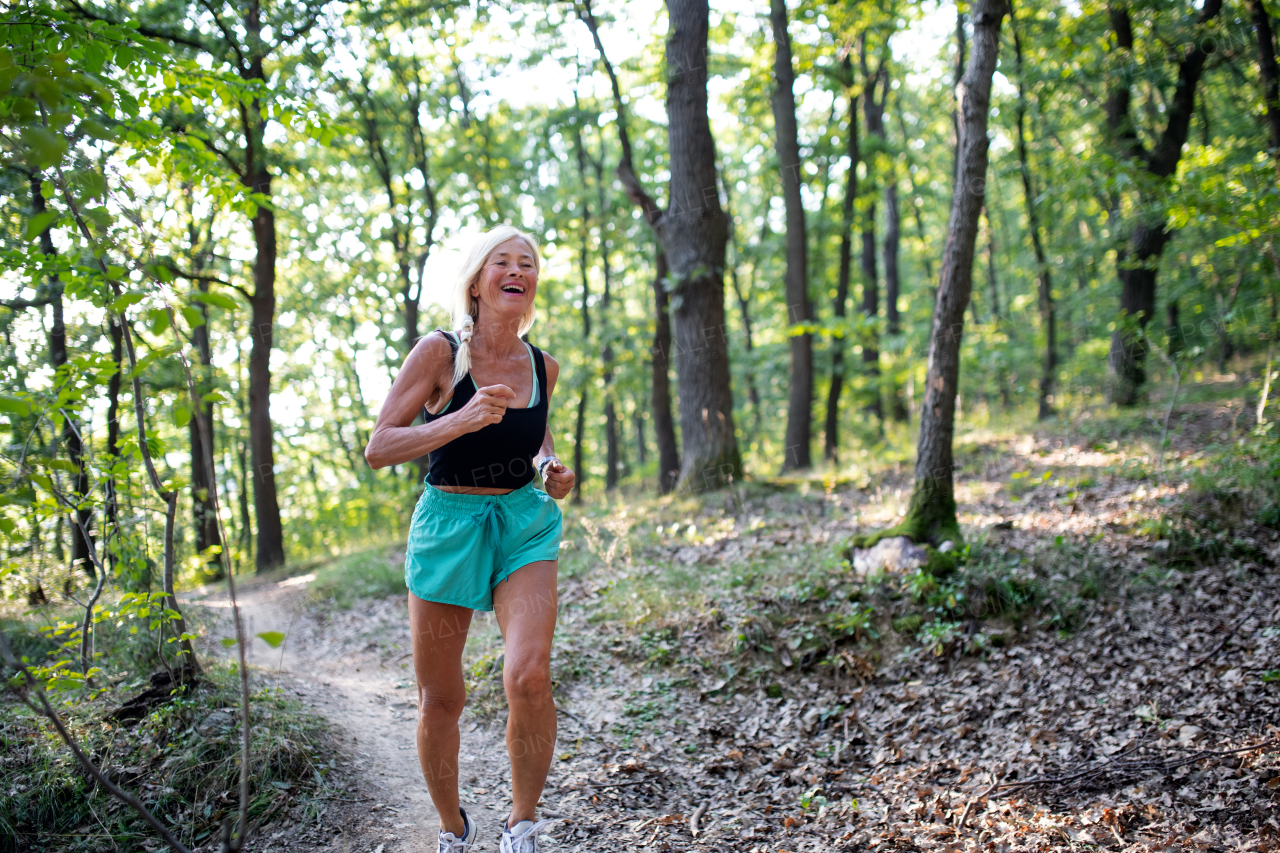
{"x":466,"y":308}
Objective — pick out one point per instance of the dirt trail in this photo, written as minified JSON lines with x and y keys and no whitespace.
{"x":337,"y":663}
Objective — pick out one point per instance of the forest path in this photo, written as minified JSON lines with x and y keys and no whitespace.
{"x":336,"y":662}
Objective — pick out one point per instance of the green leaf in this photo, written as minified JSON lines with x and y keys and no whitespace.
{"x":63,"y":465}
{"x":227,"y":642}
{"x":272,"y":638}
{"x":221,"y":300}
{"x":159,"y":319}
{"x":14,"y":405}
{"x":193,"y":316}
{"x":6,"y":526}
{"x":45,"y":148}
{"x":181,"y":416}
{"x":92,"y":128}
{"x":37,"y":224}
{"x":133,"y":297}
{"x":93,"y":184}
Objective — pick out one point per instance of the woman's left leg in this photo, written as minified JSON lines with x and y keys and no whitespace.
{"x":525,"y":607}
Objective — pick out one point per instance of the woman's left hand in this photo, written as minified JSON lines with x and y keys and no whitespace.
{"x":558,"y":479}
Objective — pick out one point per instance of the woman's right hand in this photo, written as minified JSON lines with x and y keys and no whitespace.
{"x":487,"y":407}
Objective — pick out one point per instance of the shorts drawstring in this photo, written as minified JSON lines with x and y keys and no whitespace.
{"x":490,"y":519}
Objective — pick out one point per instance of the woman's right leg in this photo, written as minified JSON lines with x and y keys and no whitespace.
{"x":439,"y":634}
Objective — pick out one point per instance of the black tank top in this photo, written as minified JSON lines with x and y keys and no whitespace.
{"x":497,"y":456}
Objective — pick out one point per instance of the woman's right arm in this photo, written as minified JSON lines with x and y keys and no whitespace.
{"x":423,"y":377}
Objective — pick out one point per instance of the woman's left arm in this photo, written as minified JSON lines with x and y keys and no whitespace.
{"x":557,"y":477}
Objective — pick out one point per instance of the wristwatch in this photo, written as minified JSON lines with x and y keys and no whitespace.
{"x":542,"y":466}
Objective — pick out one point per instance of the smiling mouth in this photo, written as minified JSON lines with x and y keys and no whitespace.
{"x":512,"y":288}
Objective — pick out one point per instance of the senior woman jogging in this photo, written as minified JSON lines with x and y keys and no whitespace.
{"x":482,"y":537}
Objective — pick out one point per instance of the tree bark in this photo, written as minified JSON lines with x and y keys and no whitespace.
{"x":931,"y":515}
{"x":1044,"y":281}
{"x":798,"y":436}
{"x":111,"y":508}
{"x":664,"y":428}
{"x":839,"y":308}
{"x":1268,"y":72}
{"x":82,"y":518}
{"x":892,"y":286}
{"x":584,"y":234}
{"x":742,"y":297}
{"x":203,"y":506}
{"x":266,"y":507}
{"x":203,"y":500}
{"x":613,"y":445}
{"x":874,"y":113}
{"x":693,"y":232}
{"x":1138,"y":259}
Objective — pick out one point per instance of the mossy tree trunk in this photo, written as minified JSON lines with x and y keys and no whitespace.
{"x":931,"y":516}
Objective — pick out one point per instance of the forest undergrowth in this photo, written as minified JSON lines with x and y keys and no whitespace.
{"x":1097,"y":666}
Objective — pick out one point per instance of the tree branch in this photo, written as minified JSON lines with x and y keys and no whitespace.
{"x":226,"y":35}
{"x":23,"y":304}
{"x":626,"y":170}
{"x":211,"y":279}
{"x":188,"y":39}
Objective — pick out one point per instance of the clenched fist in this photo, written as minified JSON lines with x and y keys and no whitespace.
{"x":487,"y":407}
{"x":558,"y":479}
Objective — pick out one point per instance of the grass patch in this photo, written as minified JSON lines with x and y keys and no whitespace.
{"x":372,"y":573}
{"x":182,"y":760}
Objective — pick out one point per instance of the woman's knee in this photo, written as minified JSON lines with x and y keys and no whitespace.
{"x":528,"y":682}
{"x":440,"y":705}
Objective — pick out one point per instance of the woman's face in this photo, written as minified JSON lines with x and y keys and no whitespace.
{"x":508,"y":280}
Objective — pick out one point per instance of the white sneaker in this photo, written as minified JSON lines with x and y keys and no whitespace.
{"x":523,"y":837}
{"x":450,"y":843}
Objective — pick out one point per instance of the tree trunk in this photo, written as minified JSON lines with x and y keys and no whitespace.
{"x":892,"y":241}
{"x":664,"y":427}
{"x":111,"y":509}
{"x":1044,"y":282}
{"x":584,"y":233}
{"x":579,"y":430}
{"x":694,"y":234}
{"x":799,"y":311}
{"x":874,"y":113}
{"x":203,"y":499}
{"x":931,"y":515}
{"x":660,"y":362}
{"x":992,"y":281}
{"x":1136,"y":262}
{"x":642,"y":452}
{"x":266,"y":508}
{"x":743,"y":299}
{"x":1138,"y":258}
{"x":957,"y":76}
{"x":1268,"y":72}
{"x":831,"y":441}
{"x":82,"y":518}
{"x":893,"y":322}
{"x":613,"y":447}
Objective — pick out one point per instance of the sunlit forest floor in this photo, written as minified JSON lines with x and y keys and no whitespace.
{"x":1102,"y":670}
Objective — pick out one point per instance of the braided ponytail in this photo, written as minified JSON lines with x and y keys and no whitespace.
{"x":462,"y":358}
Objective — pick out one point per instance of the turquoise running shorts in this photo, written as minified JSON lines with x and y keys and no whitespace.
{"x":462,"y":546}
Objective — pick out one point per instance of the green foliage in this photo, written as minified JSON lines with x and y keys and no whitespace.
{"x":372,"y":573}
{"x":185,"y":754}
